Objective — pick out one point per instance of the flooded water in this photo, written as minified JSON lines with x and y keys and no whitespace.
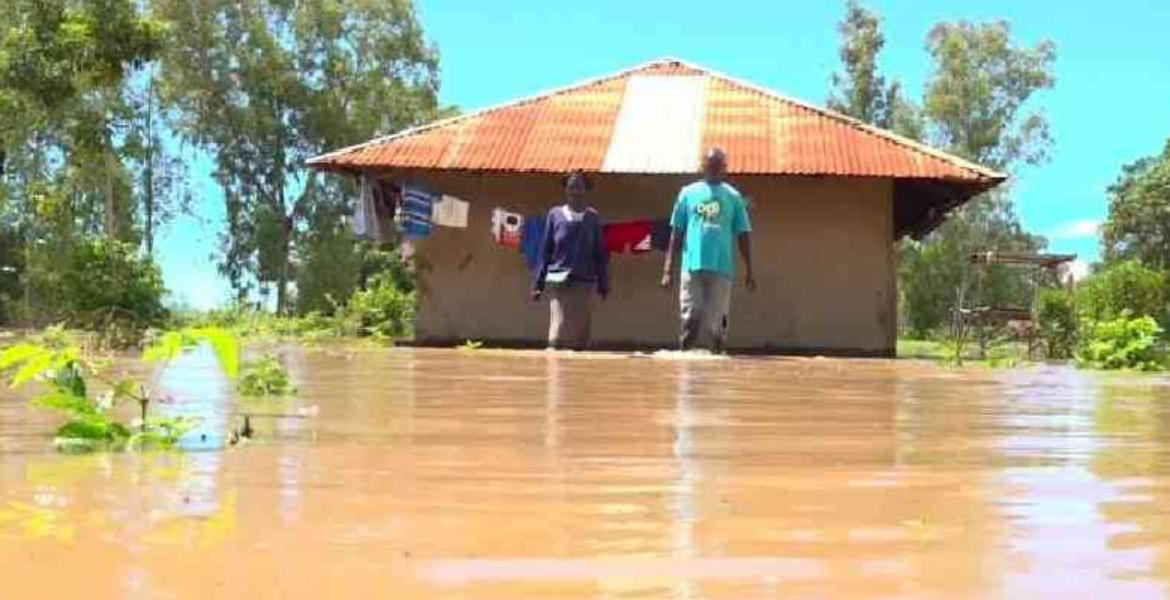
{"x":446,"y":474}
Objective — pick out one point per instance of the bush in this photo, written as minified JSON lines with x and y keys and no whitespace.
{"x":1124,"y":286}
{"x":383,"y":309}
{"x":1056,"y":314}
{"x":1126,"y":342}
{"x":107,"y":286}
{"x":265,"y":376}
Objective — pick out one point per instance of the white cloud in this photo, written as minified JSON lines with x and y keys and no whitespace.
{"x":1075,"y":230}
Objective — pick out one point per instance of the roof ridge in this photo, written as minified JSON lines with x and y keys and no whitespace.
{"x":542,"y":95}
{"x":854,"y":122}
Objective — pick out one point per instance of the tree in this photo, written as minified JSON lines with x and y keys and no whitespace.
{"x":63,"y":64}
{"x":153,"y":150}
{"x":975,"y":107}
{"x":1138,"y":225}
{"x":861,"y":92}
{"x":976,"y":96}
{"x":265,"y":84}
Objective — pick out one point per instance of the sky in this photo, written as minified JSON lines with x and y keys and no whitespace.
{"x":1110,"y":106}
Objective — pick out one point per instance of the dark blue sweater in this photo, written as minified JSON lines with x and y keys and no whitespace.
{"x":575,"y":247}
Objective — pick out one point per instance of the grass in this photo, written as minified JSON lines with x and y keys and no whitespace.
{"x":1001,"y":355}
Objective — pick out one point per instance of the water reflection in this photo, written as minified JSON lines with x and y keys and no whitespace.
{"x":501,"y":475}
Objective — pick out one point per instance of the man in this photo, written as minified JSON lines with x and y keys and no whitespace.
{"x":707,"y":217}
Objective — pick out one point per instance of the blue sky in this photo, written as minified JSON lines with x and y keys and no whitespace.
{"x":1110,"y":106}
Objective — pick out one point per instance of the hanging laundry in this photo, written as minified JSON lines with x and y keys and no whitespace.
{"x":414,"y":214}
{"x":365,"y":214}
{"x":450,"y":211}
{"x":660,"y":235}
{"x":632,"y":236}
{"x":506,"y":228}
{"x":532,"y":240}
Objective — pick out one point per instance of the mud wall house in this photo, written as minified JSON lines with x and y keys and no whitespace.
{"x":830,"y":197}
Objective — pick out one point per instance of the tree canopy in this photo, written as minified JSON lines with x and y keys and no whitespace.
{"x":263,"y":85}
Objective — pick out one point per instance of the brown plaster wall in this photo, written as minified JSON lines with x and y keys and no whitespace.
{"x":823,"y":251}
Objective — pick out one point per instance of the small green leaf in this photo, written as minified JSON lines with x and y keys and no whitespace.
{"x":68,"y":378}
{"x":169,"y":347}
{"x":17,"y":354}
{"x":61,"y":400}
{"x":226,"y":346}
{"x":32,"y":368}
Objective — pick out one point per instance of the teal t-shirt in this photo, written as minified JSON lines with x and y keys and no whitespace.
{"x":710,"y":218}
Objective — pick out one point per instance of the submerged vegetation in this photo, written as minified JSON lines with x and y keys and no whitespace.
{"x":67,"y":377}
{"x":264,"y":377}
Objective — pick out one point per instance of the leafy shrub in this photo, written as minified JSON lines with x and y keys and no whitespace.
{"x":1126,"y":342}
{"x":1057,"y":320}
{"x":383,"y":309}
{"x":107,"y":286}
{"x":265,"y":376}
{"x":1124,"y":286}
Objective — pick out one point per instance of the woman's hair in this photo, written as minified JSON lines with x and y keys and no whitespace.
{"x":577,"y":174}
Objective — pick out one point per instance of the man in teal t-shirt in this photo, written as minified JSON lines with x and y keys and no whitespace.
{"x":708,"y":217}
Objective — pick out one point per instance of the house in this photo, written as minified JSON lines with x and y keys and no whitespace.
{"x":830,"y":197}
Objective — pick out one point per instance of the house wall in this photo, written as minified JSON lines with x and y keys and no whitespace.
{"x":823,"y":251}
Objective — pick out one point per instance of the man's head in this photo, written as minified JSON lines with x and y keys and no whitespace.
{"x":715,"y":164}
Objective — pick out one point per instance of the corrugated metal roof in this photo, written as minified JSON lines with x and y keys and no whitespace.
{"x":658,"y":118}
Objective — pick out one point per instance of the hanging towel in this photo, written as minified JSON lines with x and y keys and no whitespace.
{"x":365,"y":214}
{"x":506,"y":228}
{"x":632,"y":236}
{"x":414,"y":216}
{"x":532,"y":240}
{"x":450,"y":211}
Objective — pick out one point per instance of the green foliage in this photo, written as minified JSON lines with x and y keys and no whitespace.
{"x":1056,"y":314}
{"x":265,"y":376}
{"x":225,"y":344}
{"x":1137,"y":227}
{"x":61,"y":371}
{"x":1124,"y":286}
{"x":976,"y":97}
{"x":931,"y":273}
{"x":59,"y":366}
{"x":860,"y":91}
{"x":383,"y":310}
{"x":108,"y":284}
{"x":974,"y":105}
{"x":1125,"y":342}
{"x":295,"y":80}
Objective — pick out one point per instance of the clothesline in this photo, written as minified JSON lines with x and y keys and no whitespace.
{"x":414,"y":211}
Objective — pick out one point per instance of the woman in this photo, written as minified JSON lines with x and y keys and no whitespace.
{"x":573,"y":263}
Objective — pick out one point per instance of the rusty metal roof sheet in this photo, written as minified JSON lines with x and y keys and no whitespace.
{"x":658,"y":118}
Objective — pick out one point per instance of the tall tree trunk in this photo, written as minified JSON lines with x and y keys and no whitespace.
{"x":110,"y":223}
{"x":283,"y":278}
{"x":149,"y":174}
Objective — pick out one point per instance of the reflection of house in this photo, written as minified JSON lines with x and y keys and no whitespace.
{"x":831,"y":196}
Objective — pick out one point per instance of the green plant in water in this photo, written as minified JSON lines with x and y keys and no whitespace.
{"x":55,"y":362}
{"x":1126,"y":342}
{"x":265,"y":376}
{"x":471,"y":345}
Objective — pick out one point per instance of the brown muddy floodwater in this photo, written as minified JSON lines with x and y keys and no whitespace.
{"x":446,"y":474}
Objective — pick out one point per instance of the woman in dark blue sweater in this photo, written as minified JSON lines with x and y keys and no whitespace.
{"x":573,"y":263}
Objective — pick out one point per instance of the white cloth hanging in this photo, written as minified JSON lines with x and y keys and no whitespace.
{"x":365,"y":213}
{"x":449,"y":211}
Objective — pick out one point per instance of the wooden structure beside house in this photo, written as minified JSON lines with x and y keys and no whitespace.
{"x":830,"y":197}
